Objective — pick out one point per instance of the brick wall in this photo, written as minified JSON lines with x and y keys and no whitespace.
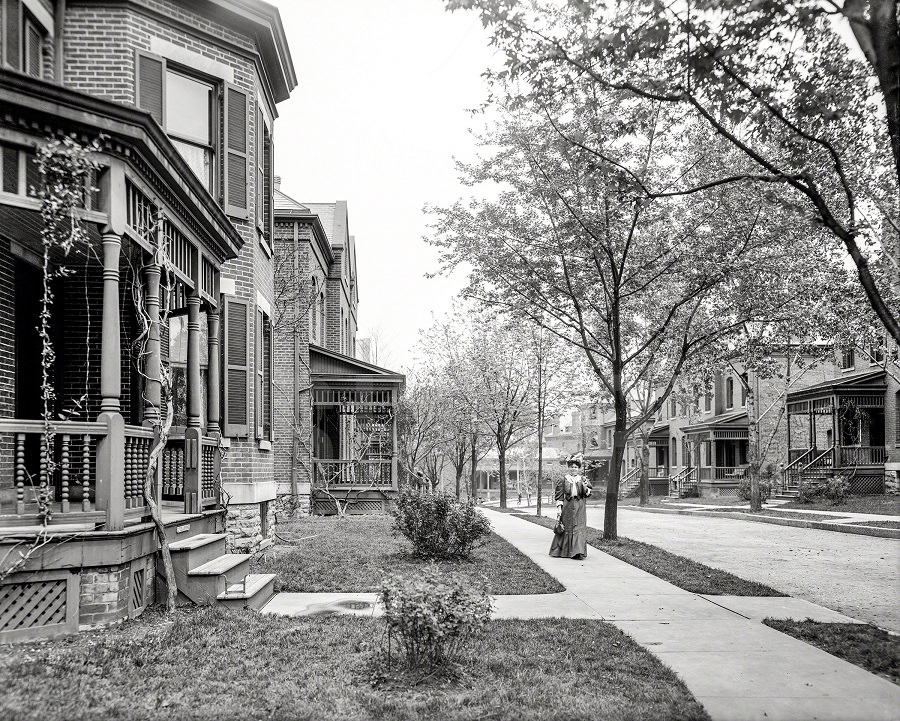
{"x":104,"y":596}
{"x":100,"y":45}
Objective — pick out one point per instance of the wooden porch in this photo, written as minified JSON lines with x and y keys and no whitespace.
{"x":837,"y":428}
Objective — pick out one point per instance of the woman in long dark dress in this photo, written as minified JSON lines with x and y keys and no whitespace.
{"x":571,"y":492}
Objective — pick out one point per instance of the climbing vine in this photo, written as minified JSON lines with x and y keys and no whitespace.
{"x":66,"y":170}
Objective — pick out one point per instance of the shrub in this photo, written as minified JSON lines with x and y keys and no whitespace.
{"x":810,"y":490}
{"x":438,"y":525}
{"x":836,"y":489}
{"x":432,"y":616}
{"x":765,"y":489}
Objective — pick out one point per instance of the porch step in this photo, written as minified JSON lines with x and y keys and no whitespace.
{"x":253,"y":592}
{"x":200,"y":549}
{"x":206,"y":581}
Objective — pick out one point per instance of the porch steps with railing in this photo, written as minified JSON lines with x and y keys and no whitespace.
{"x":811,"y":465}
{"x":630,"y":482}
{"x":685,"y":483}
{"x":205,"y":573}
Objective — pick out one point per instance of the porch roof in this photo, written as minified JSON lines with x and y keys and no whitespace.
{"x":868,"y":383}
{"x":130,"y":134}
{"x":328,"y":366}
{"x":660,"y":429}
{"x":727,"y":425}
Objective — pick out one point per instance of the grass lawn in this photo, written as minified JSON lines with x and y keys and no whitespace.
{"x":866,"y":646}
{"x":677,"y":570}
{"x":885,"y":505}
{"x":355,"y":554}
{"x":221,"y":665}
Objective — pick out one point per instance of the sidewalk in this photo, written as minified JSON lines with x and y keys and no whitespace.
{"x":738,"y":668}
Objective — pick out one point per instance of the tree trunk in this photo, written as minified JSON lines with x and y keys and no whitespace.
{"x":473,"y":460}
{"x":501,"y":455}
{"x":459,"y":472}
{"x":645,"y":468}
{"x":610,"y":514}
{"x":753,"y":458}
{"x":540,"y":466}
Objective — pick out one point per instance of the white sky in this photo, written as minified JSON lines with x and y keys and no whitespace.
{"x":379,"y":113}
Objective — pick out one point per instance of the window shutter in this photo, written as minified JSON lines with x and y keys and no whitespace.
{"x":258,"y":367}
{"x":33,"y":52}
{"x":150,"y":90}
{"x":236,"y":155}
{"x":12,"y":23}
{"x":237,"y":367}
{"x":270,"y":383}
{"x":269,"y":190}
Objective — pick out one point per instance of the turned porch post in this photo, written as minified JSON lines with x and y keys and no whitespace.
{"x":110,"y":467}
{"x":212,"y":373}
{"x":152,"y":390}
{"x":193,"y":435}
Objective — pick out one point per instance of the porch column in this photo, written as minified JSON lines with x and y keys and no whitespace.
{"x":110,"y":352}
{"x":212,"y":375}
{"x":152,"y":390}
{"x":192,"y":433}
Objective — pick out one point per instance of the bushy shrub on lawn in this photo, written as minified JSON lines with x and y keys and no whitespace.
{"x":835,"y":489}
{"x":438,"y":525}
{"x":431,"y":616}
{"x":765,"y":489}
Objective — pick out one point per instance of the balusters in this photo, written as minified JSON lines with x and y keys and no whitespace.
{"x":20,"y":473}
{"x":64,"y":473}
{"x":129,"y":471}
{"x":86,"y":472}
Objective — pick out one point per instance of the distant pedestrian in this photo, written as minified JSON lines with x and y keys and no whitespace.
{"x":520,"y":498}
{"x":570,"y":536}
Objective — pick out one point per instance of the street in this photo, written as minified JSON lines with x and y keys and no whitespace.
{"x":856,"y":575}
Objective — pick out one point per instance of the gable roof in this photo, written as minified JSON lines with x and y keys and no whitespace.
{"x":285,"y":203}
{"x":735,"y":419}
{"x":336,"y":366}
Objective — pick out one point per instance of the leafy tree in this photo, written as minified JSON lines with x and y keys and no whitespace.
{"x":491,"y":374}
{"x":816,"y":120}
{"x":572,"y":242}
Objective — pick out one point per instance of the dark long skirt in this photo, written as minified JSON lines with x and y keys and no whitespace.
{"x":574,"y":540}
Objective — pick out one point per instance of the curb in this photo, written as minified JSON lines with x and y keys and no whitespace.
{"x":777,"y":521}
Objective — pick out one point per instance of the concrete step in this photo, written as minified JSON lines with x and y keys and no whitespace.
{"x":209,"y":579}
{"x":253,"y":591}
{"x":197,"y":550}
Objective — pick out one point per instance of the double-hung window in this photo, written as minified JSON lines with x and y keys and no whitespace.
{"x":189,"y":121}
{"x":207,"y":120}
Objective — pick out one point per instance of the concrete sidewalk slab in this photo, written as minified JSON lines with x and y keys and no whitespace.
{"x":737,"y":667}
{"x":780,"y":607}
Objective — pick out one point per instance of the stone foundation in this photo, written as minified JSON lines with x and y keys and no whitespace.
{"x":892,"y":482}
{"x":248,"y":525}
{"x":110,"y":594}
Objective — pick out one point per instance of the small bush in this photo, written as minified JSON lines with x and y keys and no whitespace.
{"x":438,"y":525}
{"x":835,"y":489}
{"x":765,"y":489}
{"x":432,"y":616}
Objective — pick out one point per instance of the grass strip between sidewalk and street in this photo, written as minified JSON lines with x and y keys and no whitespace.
{"x":209,"y":663}
{"x":885,"y":505}
{"x":876,"y":524}
{"x":868,"y":647}
{"x":354,"y":554}
{"x":677,"y":570}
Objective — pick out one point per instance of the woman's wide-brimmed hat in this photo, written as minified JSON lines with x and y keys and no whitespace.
{"x":576,"y":459}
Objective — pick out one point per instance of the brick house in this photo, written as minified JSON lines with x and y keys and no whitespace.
{"x":179,"y":234}
{"x":337,"y":426}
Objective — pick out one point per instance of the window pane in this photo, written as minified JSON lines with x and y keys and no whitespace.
{"x":188,"y":104}
{"x":200,"y":160}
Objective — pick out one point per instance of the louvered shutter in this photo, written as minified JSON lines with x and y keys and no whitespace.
{"x":150,"y":91}
{"x":237,"y":367}
{"x":269,"y":161}
{"x":236,"y":152}
{"x":259,"y":374}
{"x":33,"y":54}
{"x":12,"y":27}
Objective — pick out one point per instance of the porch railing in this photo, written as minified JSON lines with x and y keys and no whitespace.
{"x":97,"y":472}
{"x":69,"y":476}
{"x":685,"y":482}
{"x":799,"y":458}
{"x":630,"y":481}
{"x":861,"y":456}
{"x":353,"y":474}
{"x":658,"y":472}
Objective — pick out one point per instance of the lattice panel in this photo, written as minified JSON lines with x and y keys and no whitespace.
{"x":32,"y":604}
{"x":867,"y":485}
{"x":327,"y":507}
{"x":137,"y":589}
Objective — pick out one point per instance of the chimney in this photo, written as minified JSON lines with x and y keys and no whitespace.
{"x":277,"y":182}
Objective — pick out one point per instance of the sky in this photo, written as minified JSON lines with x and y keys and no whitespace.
{"x":380,"y":111}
